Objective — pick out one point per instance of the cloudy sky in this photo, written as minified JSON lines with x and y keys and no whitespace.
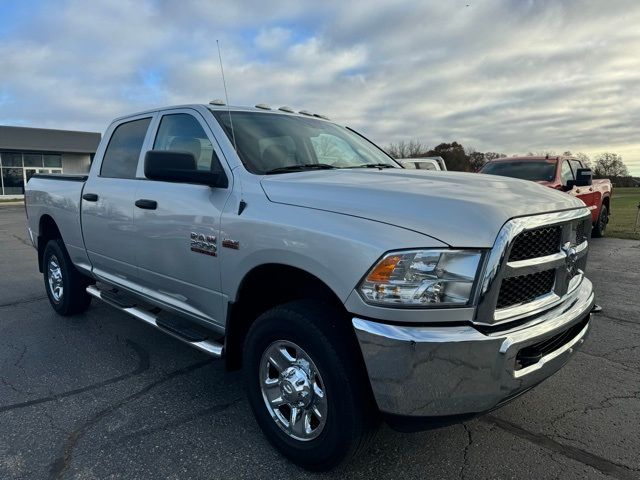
{"x":507,"y":75}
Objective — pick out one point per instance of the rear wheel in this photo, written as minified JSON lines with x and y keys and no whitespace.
{"x":305,"y":387}
{"x":601,"y":224}
{"x":65,"y":286}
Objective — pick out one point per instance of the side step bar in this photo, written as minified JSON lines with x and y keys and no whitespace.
{"x":207,"y":346}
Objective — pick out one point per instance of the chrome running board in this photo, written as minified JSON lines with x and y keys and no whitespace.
{"x":208,"y":346}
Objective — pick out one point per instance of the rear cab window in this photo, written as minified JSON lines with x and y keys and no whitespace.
{"x":535,"y":170}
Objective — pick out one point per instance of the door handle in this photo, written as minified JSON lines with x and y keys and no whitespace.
{"x":146,"y":204}
{"x":90,"y":197}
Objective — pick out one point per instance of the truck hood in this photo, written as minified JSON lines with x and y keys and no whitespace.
{"x":459,"y":209}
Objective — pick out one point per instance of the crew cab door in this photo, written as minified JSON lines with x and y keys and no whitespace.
{"x":107,"y":203}
{"x":178,"y":224}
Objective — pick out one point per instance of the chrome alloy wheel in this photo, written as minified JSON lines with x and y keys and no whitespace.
{"x":293,"y":390}
{"x":54,"y":276}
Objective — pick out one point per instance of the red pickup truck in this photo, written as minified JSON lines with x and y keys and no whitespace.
{"x":562,"y":173}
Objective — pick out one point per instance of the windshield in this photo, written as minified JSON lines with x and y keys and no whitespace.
{"x":275,"y":143}
{"x":544,"y":170}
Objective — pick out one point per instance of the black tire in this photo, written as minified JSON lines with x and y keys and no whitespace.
{"x":73,"y":298}
{"x":601,"y":224}
{"x":352,"y":416}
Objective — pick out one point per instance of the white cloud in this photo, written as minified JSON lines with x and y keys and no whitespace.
{"x":273,"y":38}
{"x":504,"y":75}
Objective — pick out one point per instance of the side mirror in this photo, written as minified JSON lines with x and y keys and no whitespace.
{"x":179,"y":167}
{"x":584,"y":178}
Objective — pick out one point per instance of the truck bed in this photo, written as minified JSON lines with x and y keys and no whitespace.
{"x":57,"y":196}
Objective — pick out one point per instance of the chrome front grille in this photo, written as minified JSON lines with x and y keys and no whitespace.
{"x":536,"y":243}
{"x":525,"y":288}
{"x":535,"y":262}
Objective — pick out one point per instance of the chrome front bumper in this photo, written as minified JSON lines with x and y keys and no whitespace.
{"x":442,"y":371}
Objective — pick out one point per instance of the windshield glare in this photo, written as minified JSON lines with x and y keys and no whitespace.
{"x":542,"y":171}
{"x":271,"y":141}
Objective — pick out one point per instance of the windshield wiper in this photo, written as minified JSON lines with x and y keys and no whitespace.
{"x":373,"y":165}
{"x":302,"y":167}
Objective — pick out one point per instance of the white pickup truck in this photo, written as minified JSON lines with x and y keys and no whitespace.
{"x":348,"y":288}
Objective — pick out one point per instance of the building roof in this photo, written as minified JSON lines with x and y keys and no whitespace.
{"x":47,"y":140}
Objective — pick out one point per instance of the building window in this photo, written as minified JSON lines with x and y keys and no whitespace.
{"x":12,"y":180}
{"x":16,"y":168}
{"x":32,"y":160}
{"x":11,"y":159}
{"x":52,"y":161}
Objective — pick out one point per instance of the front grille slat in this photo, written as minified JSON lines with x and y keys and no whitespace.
{"x":538,"y":242}
{"x":525,"y":288}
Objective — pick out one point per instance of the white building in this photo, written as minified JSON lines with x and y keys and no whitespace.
{"x":25,"y":151}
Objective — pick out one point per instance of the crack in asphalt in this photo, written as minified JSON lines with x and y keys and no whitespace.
{"x":22,"y":301}
{"x":24,"y":241}
{"x":618,"y":319}
{"x":20,"y":357}
{"x":7,"y":383}
{"x":143,"y":365}
{"x":175,"y":423}
{"x":465,"y":453}
{"x":624,"y":367}
{"x":61,"y":464}
{"x":616,"y":470}
{"x":602,"y":404}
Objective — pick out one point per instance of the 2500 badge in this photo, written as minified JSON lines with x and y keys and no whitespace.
{"x":203,"y":244}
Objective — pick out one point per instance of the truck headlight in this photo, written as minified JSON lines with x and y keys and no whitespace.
{"x":422,"y":278}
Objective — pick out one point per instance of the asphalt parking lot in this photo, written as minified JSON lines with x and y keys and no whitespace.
{"x":101,"y":395}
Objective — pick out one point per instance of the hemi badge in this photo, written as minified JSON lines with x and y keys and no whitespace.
{"x":234,"y":244}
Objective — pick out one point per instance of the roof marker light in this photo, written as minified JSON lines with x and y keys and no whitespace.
{"x":287,"y":109}
{"x":217,"y":101}
{"x":263,"y":106}
{"x":306,"y":112}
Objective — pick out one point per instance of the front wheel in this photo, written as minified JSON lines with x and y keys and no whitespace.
{"x":601,"y":225}
{"x":65,"y":286}
{"x":305,"y":386}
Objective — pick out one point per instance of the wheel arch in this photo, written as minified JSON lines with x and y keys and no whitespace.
{"x":266,"y":286}
{"x":47,"y":230}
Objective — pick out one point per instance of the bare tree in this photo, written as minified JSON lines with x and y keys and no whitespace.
{"x":609,"y":164}
{"x":584,"y":159}
{"x":477,"y":160}
{"x":493,"y":155}
{"x":407,"y":149}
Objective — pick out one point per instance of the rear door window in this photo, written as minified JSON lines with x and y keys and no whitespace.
{"x":123,"y":152}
